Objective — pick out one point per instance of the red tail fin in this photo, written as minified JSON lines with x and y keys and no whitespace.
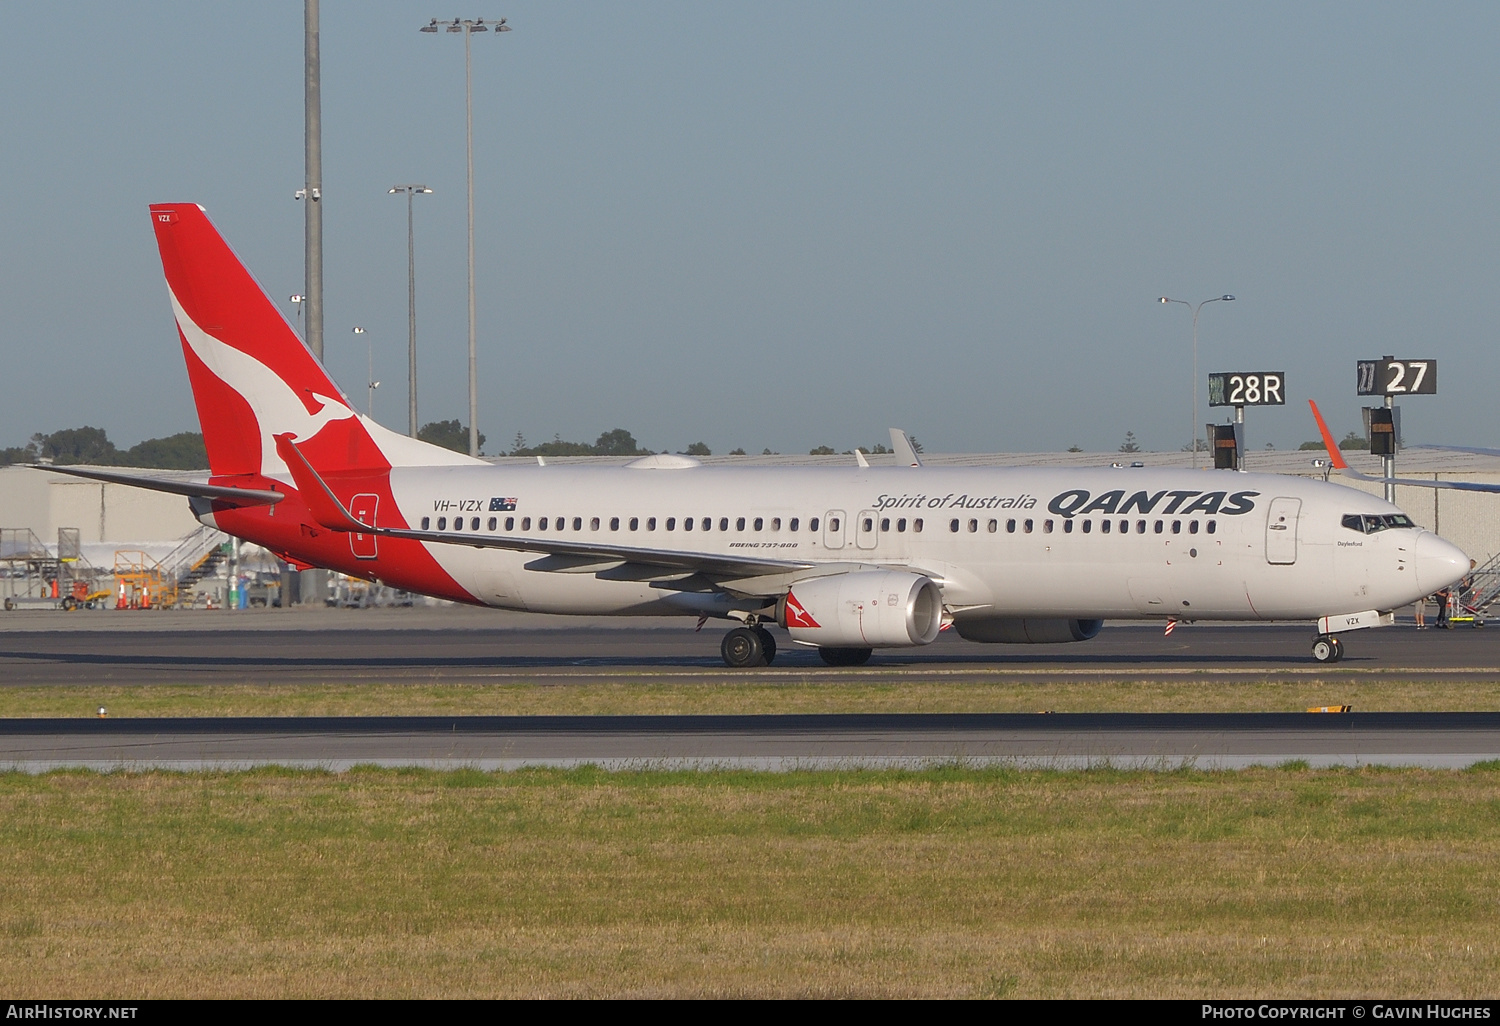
{"x":253,"y":378}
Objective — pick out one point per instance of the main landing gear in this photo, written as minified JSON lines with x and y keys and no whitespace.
{"x":1327,"y":648}
{"x":746,"y":647}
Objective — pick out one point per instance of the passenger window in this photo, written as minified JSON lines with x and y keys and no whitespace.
{"x":1140,"y":527}
{"x":650,"y":523}
{"x":708,"y":524}
{"x":426,"y":522}
{"x":739,"y":525}
{"x":541,"y":523}
{"x":1103,"y":526}
{"x":792,"y":524}
{"x":578,"y":523}
{"x":1027,"y":526}
{"x":833,"y":523}
{"x":1067,"y":527}
{"x":442,"y":523}
{"x":775,"y":523}
{"x":494,"y":523}
{"x":759,"y":524}
{"x":994,"y":525}
{"x":901,"y":525}
{"x":867,"y":525}
{"x":1177,"y":527}
{"x":458,"y":523}
{"x":559,"y":523}
{"x":671,"y":523}
{"x":1213,"y":525}
{"x":812,"y":525}
{"x":1088,"y":525}
{"x":1193,"y":527}
{"x":1159,"y":526}
{"x":973,"y":526}
{"x":594,"y":524}
{"x":916,"y":525}
{"x":1010,"y":527}
{"x":723,"y":524}
{"x":1046,"y":527}
{"x":525,"y":523}
{"x":510,"y":523}
{"x":885,"y":523}
{"x":687,"y":523}
{"x":953,"y":526}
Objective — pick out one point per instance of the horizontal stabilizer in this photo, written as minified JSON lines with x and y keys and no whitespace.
{"x":175,"y":485}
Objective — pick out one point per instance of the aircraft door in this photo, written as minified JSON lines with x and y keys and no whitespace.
{"x":866,"y":529}
{"x":1281,"y":530}
{"x":833,"y":529}
{"x":363,"y":507}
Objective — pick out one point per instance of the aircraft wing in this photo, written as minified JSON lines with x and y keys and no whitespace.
{"x":177,"y":484}
{"x":559,"y":555}
{"x":1336,"y":459}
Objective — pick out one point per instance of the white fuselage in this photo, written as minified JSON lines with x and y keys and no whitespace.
{"x":1093,"y":543}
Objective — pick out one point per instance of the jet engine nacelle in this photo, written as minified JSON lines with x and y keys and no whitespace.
{"x":864,"y":609}
{"x":1027,"y":631}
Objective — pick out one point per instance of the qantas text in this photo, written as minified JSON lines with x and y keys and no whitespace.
{"x":1079,"y":501}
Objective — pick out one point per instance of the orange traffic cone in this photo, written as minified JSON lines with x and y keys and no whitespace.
{"x":122,"y":602}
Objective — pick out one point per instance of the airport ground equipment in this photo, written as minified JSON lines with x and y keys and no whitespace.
{"x":37,"y":577}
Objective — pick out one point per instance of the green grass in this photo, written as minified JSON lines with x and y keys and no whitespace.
{"x":1267,"y":882}
{"x":709,"y":693}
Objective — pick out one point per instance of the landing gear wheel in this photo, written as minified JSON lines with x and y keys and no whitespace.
{"x":1327,"y":649}
{"x":845,"y":656}
{"x":767,"y":643}
{"x":742,"y":648}
{"x":69,"y":603}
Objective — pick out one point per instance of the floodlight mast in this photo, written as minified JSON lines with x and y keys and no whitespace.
{"x":468,"y":26}
{"x":1193,"y":438}
{"x":411,"y":308}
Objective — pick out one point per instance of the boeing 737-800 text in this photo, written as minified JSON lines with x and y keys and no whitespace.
{"x":846,"y":559}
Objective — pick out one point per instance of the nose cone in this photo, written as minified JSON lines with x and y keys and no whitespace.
{"x":1439,"y":563}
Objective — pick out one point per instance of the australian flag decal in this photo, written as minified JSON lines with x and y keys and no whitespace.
{"x":502,"y":505}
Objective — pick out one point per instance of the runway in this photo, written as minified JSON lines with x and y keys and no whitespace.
{"x":457,"y":646}
{"x":842,"y":741}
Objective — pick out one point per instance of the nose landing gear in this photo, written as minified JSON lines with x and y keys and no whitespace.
{"x":1327,"y":648}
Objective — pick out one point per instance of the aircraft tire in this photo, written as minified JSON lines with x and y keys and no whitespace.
{"x":845,"y":656}
{"x":742,"y":649}
{"x":767,"y":643}
{"x":1326,"y":649}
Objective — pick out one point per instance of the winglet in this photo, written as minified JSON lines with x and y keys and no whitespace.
{"x":1335,"y":457}
{"x":859,"y":457}
{"x":324,"y":506}
{"x":906,"y":453}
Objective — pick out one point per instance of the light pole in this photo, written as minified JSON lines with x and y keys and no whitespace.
{"x":411,"y":308}
{"x":297,"y":301}
{"x":370,"y":371}
{"x":468,"y":26}
{"x":1193,"y":438}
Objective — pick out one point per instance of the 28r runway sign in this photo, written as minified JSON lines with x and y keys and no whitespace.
{"x":1247,"y":388}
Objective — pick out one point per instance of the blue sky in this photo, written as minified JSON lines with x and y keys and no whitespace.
{"x":777,"y":225}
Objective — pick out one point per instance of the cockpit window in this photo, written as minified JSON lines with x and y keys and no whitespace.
{"x":1369,"y":523}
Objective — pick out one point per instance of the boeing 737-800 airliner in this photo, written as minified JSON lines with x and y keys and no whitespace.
{"x":846,"y":559}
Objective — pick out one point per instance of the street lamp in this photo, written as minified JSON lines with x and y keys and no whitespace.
{"x":370,"y":370}
{"x":468,"y":27}
{"x":297,"y":301}
{"x":411,"y":308}
{"x":1216,"y":299}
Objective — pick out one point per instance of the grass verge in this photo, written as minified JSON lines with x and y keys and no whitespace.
{"x":648,"y":695}
{"x":1267,"y":882}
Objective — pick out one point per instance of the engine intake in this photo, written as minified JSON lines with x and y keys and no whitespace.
{"x":1027,"y":631}
{"x":864,"y":609}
